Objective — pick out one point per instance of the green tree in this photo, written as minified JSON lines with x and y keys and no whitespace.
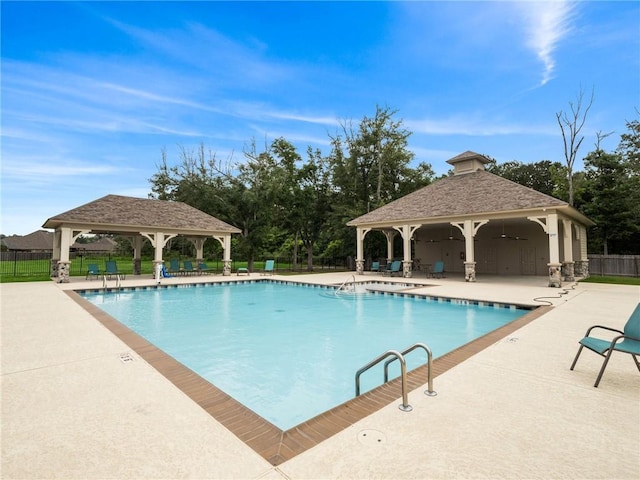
{"x":544,"y":176}
{"x":370,"y":166}
{"x":606,"y":200}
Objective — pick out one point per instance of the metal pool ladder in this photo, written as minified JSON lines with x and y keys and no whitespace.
{"x":405,"y":407}
{"x":118,"y":282}
{"x":351,"y":280}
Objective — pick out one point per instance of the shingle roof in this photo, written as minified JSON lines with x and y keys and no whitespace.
{"x":467,"y":194}
{"x":38,"y":240}
{"x":101,"y":245}
{"x":140,"y":213}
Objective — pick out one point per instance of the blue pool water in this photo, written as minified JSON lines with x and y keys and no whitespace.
{"x":290,"y":352}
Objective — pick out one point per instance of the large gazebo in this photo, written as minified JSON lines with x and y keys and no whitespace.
{"x":478,"y":222}
{"x":137,"y":219}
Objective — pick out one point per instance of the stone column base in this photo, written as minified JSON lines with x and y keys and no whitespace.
{"x":226,"y":268}
{"x":360,"y":267}
{"x":407,"y":269}
{"x":568,"y":272}
{"x":555,"y":277}
{"x":63,"y":272}
{"x":581,"y":268}
{"x":53,"y":268}
{"x":470,"y":271}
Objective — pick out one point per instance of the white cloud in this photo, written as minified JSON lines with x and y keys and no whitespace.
{"x":468,"y":126}
{"x":546,"y":24}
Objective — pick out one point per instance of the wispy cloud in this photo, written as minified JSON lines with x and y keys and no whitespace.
{"x":469,"y":126}
{"x":546,"y":24}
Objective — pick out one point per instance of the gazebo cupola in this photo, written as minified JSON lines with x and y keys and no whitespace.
{"x":468,"y":162}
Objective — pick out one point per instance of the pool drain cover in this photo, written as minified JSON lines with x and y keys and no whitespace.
{"x":371,"y":437}
{"x":126,"y":357}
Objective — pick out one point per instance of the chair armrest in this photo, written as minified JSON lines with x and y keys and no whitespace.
{"x":603,"y":328}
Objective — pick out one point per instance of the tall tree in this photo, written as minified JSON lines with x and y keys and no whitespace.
{"x":607,"y":200}
{"x":543,"y":176}
{"x":571,"y":126}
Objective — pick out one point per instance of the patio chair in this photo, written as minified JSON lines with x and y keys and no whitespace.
{"x":438,"y":270}
{"x":628,"y":341}
{"x":395,"y":267}
{"x":268,"y":267}
{"x":203,"y":268}
{"x":188,"y":268}
{"x":375,"y":266}
{"x":93,"y":269}
{"x":111,"y":268}
{"x":174,"y":267}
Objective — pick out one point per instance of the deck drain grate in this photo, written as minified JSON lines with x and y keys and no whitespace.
{"x":126,"y":357}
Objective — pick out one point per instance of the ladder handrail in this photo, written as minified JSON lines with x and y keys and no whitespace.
{"x":353,"y":281}
{"x":405,"y":407}
{"x":429,"y":390}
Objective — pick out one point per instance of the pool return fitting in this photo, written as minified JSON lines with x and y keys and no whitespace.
{"x":405,"y":407}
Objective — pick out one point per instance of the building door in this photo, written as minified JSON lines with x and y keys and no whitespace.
{"x":528,"y":260}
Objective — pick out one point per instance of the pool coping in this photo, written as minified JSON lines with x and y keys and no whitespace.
{"x":270,"y":442}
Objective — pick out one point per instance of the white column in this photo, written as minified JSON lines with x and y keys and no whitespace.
{"x":568,"y":250}
{"x":469,"y":257}
{"x":390,"y":235}
{"x":158,"y":241}
{"x":225,"y":241}
{"x":360,"y":234}
{"x":555,"y":277}
{"x":554,"y":244}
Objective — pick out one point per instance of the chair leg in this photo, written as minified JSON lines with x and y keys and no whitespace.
{"x":635,"y":359}
{"x":604,"y":365}
{"x":575,"y":360}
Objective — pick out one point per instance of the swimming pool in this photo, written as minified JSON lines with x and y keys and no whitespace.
{"x":289,"y":351}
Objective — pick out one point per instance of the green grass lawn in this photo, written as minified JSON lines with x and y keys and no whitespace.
{"x":612,"y":280}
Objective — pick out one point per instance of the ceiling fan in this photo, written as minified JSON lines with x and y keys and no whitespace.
{"x":452,"y":238}
{"x":504,"y":236}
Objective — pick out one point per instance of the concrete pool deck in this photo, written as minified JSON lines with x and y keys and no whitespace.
{"x":77,"y":403}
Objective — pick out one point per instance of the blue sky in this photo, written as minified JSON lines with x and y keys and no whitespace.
{"x":92,"y":92}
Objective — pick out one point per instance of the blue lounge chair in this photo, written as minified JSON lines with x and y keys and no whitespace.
{"x":203,"y":268}
{"x":111,"y":268}
{"x":395,"y":267}
{"x":188,"y":268}
{"x":438,"y":270}
{"x":375,"y":266}
{"x":93,"y":269}
{"x":174,"y":267}
{"x":268,"y":267}
{"x":628,"y":341}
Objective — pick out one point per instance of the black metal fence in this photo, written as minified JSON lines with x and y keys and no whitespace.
{"x":26,"y":264}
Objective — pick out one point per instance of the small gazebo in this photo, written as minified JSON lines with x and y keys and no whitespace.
{"x":137,"y":219}
{"x":478,"y":222}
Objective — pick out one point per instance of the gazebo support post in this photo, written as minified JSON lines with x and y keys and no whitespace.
{"x":62,"y":241}
{"x":390,"y":235}
{"x":555,"y":267}
{"x":198,"y":243}
{"x":568,"y":250}
{"x":158,"y":240}
{"x":225,"y":241}
{"x":136,"y":243}
{"x":581,"y":267}
{"x":360,"y":234}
